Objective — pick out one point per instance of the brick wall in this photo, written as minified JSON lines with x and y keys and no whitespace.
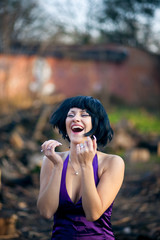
{"x":28,"y":77}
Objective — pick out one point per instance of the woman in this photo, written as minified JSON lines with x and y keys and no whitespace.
{"x":78,"y":186}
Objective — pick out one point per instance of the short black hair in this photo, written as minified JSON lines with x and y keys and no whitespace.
{"x":100,"y":122}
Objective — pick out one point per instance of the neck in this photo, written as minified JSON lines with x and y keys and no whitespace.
{"x":73,"y":153}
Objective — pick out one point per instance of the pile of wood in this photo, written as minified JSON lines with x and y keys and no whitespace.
{"x":21,"y":135}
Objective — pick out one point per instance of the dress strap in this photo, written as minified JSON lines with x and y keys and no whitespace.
{"x":63,"y":178}
{"x":95,"y":169}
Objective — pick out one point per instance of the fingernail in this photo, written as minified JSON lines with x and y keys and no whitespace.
{"x":94,"y":136}
{"x":41,"y":150}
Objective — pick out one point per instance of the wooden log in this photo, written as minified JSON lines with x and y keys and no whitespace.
{"x":37,"y":135}
{"x":8,"y":227}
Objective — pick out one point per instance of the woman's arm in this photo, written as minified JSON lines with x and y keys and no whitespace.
{"x":96,"y":200}
{"x":50,"y":180}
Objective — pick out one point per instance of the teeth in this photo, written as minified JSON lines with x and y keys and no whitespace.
{"x":75,"y":127}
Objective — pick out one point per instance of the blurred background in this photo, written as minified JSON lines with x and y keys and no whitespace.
{"x":53,"y":49}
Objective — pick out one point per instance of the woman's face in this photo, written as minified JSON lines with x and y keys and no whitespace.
{"x":78,"y":122}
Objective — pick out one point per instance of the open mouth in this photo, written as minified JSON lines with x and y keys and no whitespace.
{"x":77,"y":129}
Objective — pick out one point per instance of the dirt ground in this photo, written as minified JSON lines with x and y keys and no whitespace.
{"x":136,"y":211}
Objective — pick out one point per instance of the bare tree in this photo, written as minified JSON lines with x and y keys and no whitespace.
{"x":127,"y":22}
{"x":14,"y":15}
{"x":46,"y":23}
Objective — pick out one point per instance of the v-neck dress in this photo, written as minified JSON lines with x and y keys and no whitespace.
{"x":70,"y":222}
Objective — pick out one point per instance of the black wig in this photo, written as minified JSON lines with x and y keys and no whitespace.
{"x":100,"y":123}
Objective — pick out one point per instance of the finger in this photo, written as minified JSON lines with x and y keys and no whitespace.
{"x":94,"y":143}
{"x":50,"y":145}
{"x":89,"y":143}
{"x":43,"y":145}
{"x":53,"y":145}
{"x":85,"y":146}
{"x":82,"y":147}
{"x":78,"y":148}
{"x":47,"y":145}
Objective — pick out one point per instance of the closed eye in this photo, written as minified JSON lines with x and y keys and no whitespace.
{"x":70,"y":115}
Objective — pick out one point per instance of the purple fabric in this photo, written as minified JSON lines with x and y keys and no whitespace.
{"x":70,"y":222}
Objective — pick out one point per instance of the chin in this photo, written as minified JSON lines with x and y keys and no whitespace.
{"x":77,"y":139}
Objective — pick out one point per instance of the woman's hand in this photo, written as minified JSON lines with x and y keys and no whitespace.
{"x":48,"y":147}
{"x":86,"y":151}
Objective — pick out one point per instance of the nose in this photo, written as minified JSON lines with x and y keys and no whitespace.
{"x":76,"y":118}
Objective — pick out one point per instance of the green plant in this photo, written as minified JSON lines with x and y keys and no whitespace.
{"x":143,"y":120}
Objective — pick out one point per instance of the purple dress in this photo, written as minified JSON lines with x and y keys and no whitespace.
{"x":70,"y":222}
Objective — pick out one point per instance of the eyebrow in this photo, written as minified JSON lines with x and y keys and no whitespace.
{"x":72,"y":111}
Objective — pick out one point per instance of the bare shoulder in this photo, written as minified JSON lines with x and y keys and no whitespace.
{"x":110,"y":162}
